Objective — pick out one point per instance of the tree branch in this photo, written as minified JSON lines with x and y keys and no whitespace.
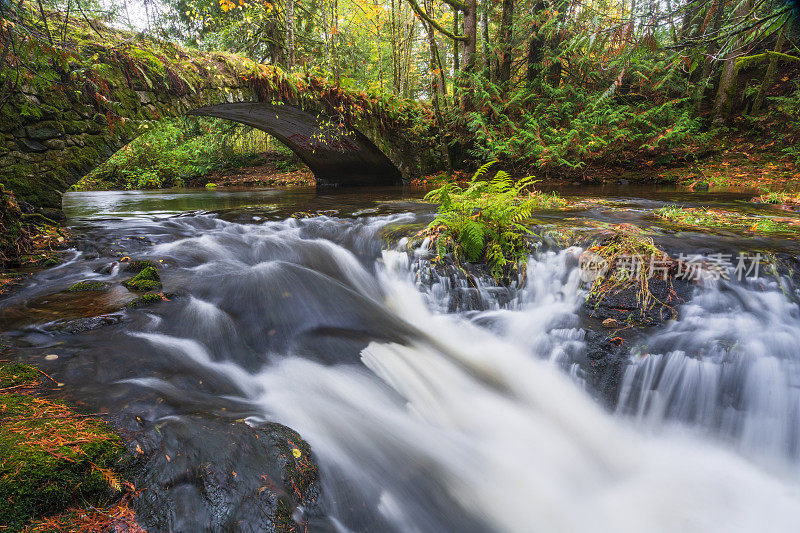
{"x":457,"y":4}
{"x":438,"y":27}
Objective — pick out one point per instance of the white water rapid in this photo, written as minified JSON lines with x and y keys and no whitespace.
{"x":472,"y":421}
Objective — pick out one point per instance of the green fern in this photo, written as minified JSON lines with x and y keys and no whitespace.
{"x":485,"y":220}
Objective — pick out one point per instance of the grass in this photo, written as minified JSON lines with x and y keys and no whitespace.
{"x":51,"y":457}
{"x":778,"y":198}
{"x":716,"y":218}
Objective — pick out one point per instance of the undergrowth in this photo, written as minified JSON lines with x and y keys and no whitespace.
{"x":570,"y":127}
{"x":171,"y":153}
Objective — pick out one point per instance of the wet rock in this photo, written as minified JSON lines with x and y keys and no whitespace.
{"x":29,"y":145}
{"x":53,"y":214}
{"x":701,"y":186}
{"x":607,"y":357}
{"x":610,"y":323}
{"x":622,"y":305}
{"x":105,"y":269}
{"x":217,"y":475}
{"x":86,"y":324}
{"x":144,"y":300}
{"x":88,"y":285}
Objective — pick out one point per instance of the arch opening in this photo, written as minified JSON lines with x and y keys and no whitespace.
{"x":335,"y":154}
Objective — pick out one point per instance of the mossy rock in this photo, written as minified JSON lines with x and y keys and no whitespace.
{"x":13,"y":374}
{"x":88,"y":285}
{"x":146,"y":280}
{"x":51,"y":459}
{"x":137,"y":265}
{"x":142,"y":285}
{"x":144,"y":300}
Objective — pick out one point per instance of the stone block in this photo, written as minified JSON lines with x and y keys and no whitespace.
{"x":55,"y":144}
{"x":143,"y":97}
{"x":31,"y":145}
{"x":45,"y":130}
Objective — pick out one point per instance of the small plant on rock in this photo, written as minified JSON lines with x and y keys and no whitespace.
{"x":484,"y":221}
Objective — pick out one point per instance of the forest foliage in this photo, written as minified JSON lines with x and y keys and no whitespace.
{"x":554,"y":85}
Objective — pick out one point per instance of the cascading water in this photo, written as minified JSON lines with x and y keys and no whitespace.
{"x":425,"y":419}
{"x":458,"y":422}
{"x":729,"y":366}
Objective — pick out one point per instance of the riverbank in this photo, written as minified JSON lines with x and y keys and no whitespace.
{"x":738,"y":162}
{"x":28,"y":239}
{"x":38,"y":434}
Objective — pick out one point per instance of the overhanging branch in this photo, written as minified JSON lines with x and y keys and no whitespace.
{"x":438,"y":27}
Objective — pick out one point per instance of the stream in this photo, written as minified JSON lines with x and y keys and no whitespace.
{"x":430,"y":403}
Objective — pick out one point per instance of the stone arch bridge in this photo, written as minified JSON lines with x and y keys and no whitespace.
{"x":54,"y":130}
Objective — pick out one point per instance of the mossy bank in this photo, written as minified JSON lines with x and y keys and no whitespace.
{"x":52,"y":458}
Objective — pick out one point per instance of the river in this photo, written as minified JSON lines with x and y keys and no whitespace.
{"x":430,"y":404}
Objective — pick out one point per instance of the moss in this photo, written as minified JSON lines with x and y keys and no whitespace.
{"x":13,"y":374}
{"x":137,"y":265}
{"x":211,"y":186}
{"x":51,"y":458}
{"x":148,"y":58}
{"x":88,"y":285}
{"x":22,"y":179}
{"x":142,"y":285}
{"x":146,"y":299}
{"x":146,"y":280}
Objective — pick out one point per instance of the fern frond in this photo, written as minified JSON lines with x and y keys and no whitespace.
{"x":483,"y":170}
{"x":471,"y":239}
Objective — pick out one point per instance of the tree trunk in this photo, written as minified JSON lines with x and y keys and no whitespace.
{"x":554,"y":44}
{"x":468,"y":59}
{"x":713,"y":47}
{"x":770,"y":74}
{"x":437,"y":90}
{"x":455,"y":44}
{"x":726,"y":92}
{"x":506,"y":38}
{"x":395,"y":58}
{"x":290,"y":34}
{"x":535,"y":47}
{"x":335,"y":40}
{"x":436,"y":60}
{"x":487,"y":56}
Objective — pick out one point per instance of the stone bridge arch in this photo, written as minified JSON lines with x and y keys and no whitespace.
{"x":53,"y":134}
{"x":335,"y":154}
